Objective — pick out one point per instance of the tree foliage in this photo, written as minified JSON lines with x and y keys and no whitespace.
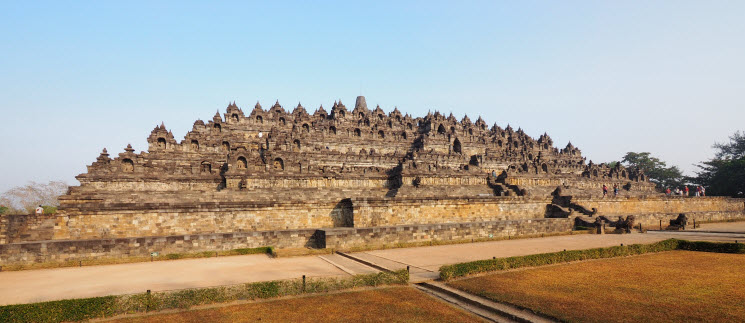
{"x":656,"y":169}
{"x":725,"y":173}
{"x":24,"y":199}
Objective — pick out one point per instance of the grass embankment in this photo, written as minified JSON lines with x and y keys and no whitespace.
{"x":97,"y":307}
{"x":160,"y":257}
{"x":677,"y":286}
{"x":481,"y":266}
{"x":398,"y":304}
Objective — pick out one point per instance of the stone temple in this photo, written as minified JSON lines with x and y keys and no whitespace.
{"x":340,"y":178}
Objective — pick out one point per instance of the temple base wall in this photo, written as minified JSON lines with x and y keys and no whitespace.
{"x":66,"y":251}
{"x":17,"y":227}
{"x":660,"y":221}
{"x":199,"y":219}
{"x":661,"y":204}
{"x":374,"y":213}
{"x":378,"y":237}
{"x":187,"y":219}
{"x":62,"y":251}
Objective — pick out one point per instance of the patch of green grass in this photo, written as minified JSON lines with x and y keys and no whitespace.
{"x":59,"y":311}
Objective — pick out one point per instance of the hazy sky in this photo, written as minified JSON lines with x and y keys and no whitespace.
{"x":666,"y":77}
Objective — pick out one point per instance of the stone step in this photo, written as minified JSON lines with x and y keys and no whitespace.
{"x":497,"y":312}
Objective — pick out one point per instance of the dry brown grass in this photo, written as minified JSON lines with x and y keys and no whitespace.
{"x":398,"y":304}
{"x":676,"y":286}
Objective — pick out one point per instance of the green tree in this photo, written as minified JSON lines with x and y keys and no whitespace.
{"x":657,"y":170}
{"x":725,"y":173}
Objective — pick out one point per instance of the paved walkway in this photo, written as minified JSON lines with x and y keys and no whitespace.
{"x":738,"y":227}
{"x":76,"y":282}
{"x":30,"y":286}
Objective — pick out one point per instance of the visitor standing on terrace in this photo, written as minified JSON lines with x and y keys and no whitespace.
{"x":605,"y":190}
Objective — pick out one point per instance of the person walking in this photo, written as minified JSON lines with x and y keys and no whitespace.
{"x":703,"y":191}
{"x":667,"y":191}
{"x":698,"y":191}
{"x":686,"y":190}
{"x":605,"y":190}
{"x":615,"y":190}
{"x":39,"y":210}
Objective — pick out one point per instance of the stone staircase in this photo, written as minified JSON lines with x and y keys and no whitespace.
{"x":503,"y":189}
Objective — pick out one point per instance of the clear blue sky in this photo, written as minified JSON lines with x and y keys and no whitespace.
{"x":611,"y":76}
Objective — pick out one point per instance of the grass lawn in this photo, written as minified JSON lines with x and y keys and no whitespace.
{"x":673,"y":286}
{"x":397,"y":304}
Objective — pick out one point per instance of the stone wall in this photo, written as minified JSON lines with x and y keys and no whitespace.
{"x":26,"y":227}
{"x":347,"y":238}
{"x":660,"y":204}
{"x":138,"y":220}
{"x":196,"y":219}
{"x":158,"y":220}
{"x":658,"y":221}
{"x":382,"y":212}
{"x":59,"y":251}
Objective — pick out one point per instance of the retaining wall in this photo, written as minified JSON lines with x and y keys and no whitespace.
{"x":346,"y":238}
{"x":60,"y":251}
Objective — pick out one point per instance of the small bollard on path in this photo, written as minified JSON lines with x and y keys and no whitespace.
{"x":147,"y":305}
{"x":303,"y":283}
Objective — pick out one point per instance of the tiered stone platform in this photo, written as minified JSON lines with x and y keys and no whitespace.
{"x":339,"y":179}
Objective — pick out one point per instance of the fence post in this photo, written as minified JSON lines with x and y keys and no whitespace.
{"x":147,"y":305}
{"x":303,"y":283}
